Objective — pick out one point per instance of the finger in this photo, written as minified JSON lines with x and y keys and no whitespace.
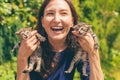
{"x":33,"y":33}
{"x":29,"y":42}
{"x":81,"y":41}
{"x":85,"y":39}
{"x":31,"y":39}
{"x":35,"y":45}
{"x":88,"y":36}
{"x":34,"y":41}
{"x":76,"y":33}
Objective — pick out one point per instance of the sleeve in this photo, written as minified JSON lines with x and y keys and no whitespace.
{"x":80,"y":70}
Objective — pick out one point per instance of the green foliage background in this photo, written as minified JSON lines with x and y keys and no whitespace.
{"x":104,"y":15}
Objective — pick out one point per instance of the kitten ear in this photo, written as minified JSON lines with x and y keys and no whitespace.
{"x":90,"y":26}
{"x":29,"y":28}
{"x":17,"y":33}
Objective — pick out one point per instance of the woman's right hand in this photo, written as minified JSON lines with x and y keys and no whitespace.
{"x":28,"y":46}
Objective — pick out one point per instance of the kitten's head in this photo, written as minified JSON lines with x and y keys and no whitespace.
{"x":81,"y":28}
{"x":24,"y":33}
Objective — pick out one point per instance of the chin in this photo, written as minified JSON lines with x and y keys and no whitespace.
{"x":58,"y":38}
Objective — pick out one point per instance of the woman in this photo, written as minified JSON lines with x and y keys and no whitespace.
{"x":54,"y":22}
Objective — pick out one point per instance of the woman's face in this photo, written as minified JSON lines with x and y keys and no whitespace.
{"x":57,"y":19}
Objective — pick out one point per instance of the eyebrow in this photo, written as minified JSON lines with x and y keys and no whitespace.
{"x":50,"y":10}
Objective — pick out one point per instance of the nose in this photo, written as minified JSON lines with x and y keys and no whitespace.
{"x":57,"y":18}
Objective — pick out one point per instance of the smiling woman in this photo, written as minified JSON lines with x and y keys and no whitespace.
{"x":56,"y":17}
{"x":57,"y":20}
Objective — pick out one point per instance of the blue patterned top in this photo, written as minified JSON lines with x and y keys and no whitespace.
{"x":64,"y":59}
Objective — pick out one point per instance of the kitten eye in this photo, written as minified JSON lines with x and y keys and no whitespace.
{"x":22,"y":33}
{"x":27,"y":32}
{"x":82,"y":28}
{"x":86,"y":29}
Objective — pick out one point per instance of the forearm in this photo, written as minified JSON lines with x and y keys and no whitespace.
{"x":95,"y":67}
{"x":21,"y":64}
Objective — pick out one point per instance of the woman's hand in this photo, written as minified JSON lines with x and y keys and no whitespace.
{"x":26,"y":49}
{"x":28,"y":46}
{"x":86,"y":41}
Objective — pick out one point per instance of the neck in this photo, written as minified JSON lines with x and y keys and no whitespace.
{"x":58,"y":45}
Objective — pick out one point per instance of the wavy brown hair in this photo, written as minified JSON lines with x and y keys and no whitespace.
{"x":47,"y":56}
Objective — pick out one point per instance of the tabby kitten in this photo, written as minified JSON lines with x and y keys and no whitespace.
{"x":80,"y":54}
{"x":36,"y":57}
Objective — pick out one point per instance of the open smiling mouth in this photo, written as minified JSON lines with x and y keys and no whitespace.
{"x":57,"y":28}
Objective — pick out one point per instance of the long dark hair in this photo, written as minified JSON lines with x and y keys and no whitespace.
{"x":47,"y":56}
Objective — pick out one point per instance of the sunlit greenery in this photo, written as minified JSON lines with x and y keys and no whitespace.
{"x":104,"y":15}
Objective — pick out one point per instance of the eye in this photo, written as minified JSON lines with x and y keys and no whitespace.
{"x":64,"y":13}
{"x":50,"y":14}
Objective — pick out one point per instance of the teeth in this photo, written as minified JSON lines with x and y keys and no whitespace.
{"x":57,"y":28}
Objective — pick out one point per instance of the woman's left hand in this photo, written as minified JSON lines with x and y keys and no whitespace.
{"x":86,"y":41}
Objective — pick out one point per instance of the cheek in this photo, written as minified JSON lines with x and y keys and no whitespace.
{"x":69,"y":24}
{"x":68,"y":21}
{"x":46,"y":21}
